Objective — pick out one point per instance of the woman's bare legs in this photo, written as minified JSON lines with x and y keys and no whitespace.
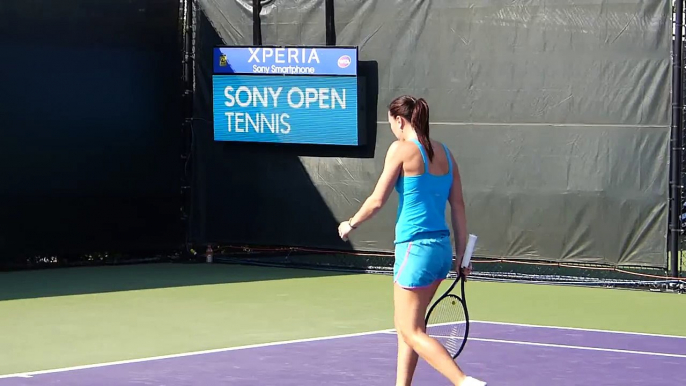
{"x":407,"y":362}
{"x":410,"y":309}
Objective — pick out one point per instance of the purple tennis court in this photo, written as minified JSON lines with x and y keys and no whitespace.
{"x":501,"y":354}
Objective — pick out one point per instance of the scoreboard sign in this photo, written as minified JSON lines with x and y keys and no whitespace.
{"x":294,"y":95}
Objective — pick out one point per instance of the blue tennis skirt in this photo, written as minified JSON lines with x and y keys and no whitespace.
{"x":420,"y":263}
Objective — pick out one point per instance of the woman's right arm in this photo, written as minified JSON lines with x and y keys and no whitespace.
{"x":458,"y":217}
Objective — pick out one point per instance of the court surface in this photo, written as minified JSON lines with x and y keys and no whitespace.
{"x":499,"y":353}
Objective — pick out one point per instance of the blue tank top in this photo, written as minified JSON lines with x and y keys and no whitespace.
{"x":422,"y":203}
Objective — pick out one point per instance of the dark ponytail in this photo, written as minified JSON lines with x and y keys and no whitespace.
{"x":415,"y":111}
{"x":420,"y":122}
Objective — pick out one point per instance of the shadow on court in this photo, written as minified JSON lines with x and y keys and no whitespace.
{"x":92,"y":280}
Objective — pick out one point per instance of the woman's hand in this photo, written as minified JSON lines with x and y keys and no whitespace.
{"x":466,"y":271}
{"x":344,"y":230}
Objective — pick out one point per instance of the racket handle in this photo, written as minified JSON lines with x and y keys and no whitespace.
{"x":471,"y":242}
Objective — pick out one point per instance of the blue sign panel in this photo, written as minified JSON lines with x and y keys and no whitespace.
{"x":286,"y":60}
{"x":286,"y":109}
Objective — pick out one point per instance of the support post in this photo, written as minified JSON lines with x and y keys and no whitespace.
{"x":256,"y":23}
{"x":330,"y":23}
{"x":188,"y":25}
{"x":676,"y":140}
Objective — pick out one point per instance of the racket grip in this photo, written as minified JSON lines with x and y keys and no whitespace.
{"x":471,"y":242}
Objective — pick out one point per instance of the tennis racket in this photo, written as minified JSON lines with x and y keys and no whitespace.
{"x":448,"y":320}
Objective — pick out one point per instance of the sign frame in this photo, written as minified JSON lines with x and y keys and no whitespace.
{"x":360,"y":122}
{"x":359,"y":80}
{"x":354,"y":63}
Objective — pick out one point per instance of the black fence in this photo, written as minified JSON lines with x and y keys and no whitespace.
{"x":102,"y":169}
{"x":490,"y":268}
{"x":91,"y":136}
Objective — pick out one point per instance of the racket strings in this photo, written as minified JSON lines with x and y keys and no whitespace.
{"x":447,"y":323}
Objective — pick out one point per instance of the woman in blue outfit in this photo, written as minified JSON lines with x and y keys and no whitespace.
{"x":425,"y":174}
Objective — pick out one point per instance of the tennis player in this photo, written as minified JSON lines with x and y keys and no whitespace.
{"x":426,"y":177}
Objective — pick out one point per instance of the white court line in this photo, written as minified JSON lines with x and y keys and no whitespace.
{"x":579,"y":329}
{"x":29,"y":374}
{"x":558,"y":328}
{"x":278,"y":343}
{"x":649,"y":353}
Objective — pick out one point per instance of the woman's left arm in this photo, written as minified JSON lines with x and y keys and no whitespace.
{"x":392,"y":167}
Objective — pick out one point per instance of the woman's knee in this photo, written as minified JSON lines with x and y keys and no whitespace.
{"x":410,"y":335}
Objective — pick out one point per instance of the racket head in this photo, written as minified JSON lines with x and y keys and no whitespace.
{"x":448,"y":322}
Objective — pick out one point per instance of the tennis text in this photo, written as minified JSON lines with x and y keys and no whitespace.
{"x":251,"y":100}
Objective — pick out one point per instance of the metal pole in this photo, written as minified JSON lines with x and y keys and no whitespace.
{"x":677,"y":132}
{"x":256,"y":23}
{"x":187,"y":87}
{"x":330,"y":23}
{"x":188,"y":51}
